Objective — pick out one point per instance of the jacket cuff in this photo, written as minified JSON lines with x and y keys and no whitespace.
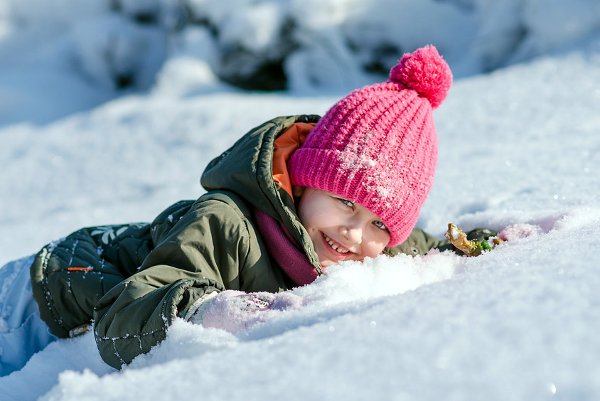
{"x":197,"y":309}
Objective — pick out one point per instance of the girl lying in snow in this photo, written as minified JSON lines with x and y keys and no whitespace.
{"x":290,"y":198}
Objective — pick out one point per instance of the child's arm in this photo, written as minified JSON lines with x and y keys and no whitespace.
{"x":459,"y":239}
{"x":204,"y":252}
{"x":419,"y":242}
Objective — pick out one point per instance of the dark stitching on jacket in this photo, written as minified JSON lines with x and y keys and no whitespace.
{"x":70,"y":262}
{"x":73,"y":250}
{"x":117,"y":354}
{"x":47,"y":253}
{"x":186,"y":284}
{"x":127,"y":336}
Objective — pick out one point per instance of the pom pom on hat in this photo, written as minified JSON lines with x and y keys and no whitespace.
{"x":378,"y":145}
{"x":426,"y":72}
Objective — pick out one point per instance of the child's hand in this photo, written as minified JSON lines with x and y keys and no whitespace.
{"x":473,"y":244}
{"x":478,"y":240}
{"x":517,"y":231}
{"x":236,"y":311}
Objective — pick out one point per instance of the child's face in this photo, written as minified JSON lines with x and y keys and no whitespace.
{"x":340,"y":229}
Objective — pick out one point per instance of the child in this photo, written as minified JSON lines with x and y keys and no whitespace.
{"x":290,"y":198}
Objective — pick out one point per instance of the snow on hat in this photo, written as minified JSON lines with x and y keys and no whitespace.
{"x":378,"y":145}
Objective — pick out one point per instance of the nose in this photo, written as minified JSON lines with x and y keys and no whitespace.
{"x":353,"y":233}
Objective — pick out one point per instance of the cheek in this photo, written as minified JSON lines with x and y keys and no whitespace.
{"x":317,"y":220}
{"x":373,"y":249}
{"x":375,"y":245}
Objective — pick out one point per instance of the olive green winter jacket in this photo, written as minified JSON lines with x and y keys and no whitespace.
{"x":133,"y":280}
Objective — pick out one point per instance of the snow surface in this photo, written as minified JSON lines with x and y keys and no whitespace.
{"x":519,"y":145}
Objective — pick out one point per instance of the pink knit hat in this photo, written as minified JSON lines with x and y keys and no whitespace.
{"x":378,"y":145}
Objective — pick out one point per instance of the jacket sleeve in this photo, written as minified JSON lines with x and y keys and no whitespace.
{"x":70,"y":275}
{"x":198,"y":254}
{"x":419,"y":242}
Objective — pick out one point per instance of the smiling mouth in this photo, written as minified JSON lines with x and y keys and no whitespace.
{"x":336,"y":247}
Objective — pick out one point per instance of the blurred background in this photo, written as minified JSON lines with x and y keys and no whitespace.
{"x":62,"y":56}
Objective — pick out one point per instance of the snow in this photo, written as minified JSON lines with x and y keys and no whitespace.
{"x":518,"y":145}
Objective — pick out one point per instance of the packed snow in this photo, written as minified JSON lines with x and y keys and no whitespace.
{"x":519,"y":147}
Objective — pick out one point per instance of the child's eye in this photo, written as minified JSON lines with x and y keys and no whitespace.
{"x":379,"y":224}
{"x":346,"y":202}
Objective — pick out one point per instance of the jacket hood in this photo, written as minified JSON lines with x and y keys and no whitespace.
{"x":246,"y":168}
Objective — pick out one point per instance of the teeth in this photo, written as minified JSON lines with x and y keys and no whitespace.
{"x":335,"y":246}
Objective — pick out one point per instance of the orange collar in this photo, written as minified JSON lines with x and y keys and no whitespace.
{"x":286,"y":144}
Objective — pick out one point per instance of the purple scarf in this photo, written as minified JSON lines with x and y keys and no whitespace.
{"x":283,"y":249}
